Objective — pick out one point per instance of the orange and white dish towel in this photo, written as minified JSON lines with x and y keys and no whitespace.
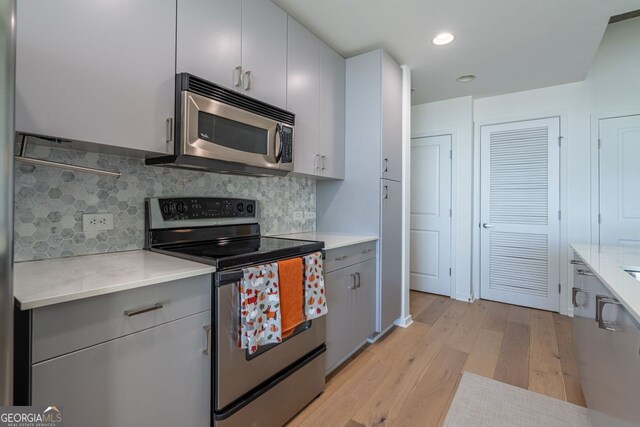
{"x":315,"y":302}
{"x":260,"y":321}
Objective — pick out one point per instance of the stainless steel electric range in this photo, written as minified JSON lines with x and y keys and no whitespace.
{"x":270,"y":386}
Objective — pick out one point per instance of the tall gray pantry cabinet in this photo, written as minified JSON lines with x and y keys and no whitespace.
{"x":369,"y":200}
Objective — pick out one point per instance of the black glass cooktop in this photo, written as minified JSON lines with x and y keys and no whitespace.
{"x":230,"y":253}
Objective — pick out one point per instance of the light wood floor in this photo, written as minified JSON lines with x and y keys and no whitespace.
{"x":409,"y":377}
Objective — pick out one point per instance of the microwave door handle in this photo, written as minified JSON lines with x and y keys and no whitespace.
{"x":278,"y":142}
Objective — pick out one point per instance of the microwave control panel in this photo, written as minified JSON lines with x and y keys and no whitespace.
{"x":286,"y":139}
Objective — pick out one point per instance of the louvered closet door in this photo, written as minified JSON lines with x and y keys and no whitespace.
{"x":520,"y":231}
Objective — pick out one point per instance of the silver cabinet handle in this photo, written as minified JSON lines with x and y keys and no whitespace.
{"x":386,"y":165}
{"x":601,"y":302}
{"x":366,"y":251}
{"x":386,"y":192}
{"x":207,"y":349}
{"x":247,"y":80}
{"x":137,"y":311}
{"x":169,"y":129}
{"x":355,"y":282}
{"x":324,"y":162}
{"x":574,"y":295}
{"x":316,"y":162}
{"x":487,"y":225}
{"x":359,"y":278}
{"x":576,"y":262}
{"x":237,"y":76}
{"x":584,"y":273}
{"x":342,"y":258}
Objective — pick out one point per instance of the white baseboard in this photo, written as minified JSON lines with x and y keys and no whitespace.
{"x":404,"y":323}
{"x":377,"y":336}
{"x":464,"y":297}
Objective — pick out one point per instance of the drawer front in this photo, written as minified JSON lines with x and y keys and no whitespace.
{"x":63,"y":328}
{"x":338,"y":258}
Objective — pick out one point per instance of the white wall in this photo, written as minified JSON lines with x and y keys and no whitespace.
{"x":612,"y":86}
{"x":455,"y":117}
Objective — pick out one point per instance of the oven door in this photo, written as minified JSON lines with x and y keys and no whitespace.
{"x":237,"y":373}
{"x":212,"y":129}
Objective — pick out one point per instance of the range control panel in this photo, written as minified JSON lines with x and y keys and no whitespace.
{"x":174,"y":209}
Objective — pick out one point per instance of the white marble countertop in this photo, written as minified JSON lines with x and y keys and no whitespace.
{"x":608,"y":264}
{"x":331,"y":240}
{"x":54,"y":281}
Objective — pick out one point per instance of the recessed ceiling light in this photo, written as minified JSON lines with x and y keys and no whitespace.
{"x":443,"y":38}
{"x":466,"y":78}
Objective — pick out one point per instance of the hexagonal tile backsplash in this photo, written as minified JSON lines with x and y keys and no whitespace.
{"x":50,"y":202}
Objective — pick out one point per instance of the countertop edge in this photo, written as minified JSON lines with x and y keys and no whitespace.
{"x":633,"y":311}
{"x":53,"y":300}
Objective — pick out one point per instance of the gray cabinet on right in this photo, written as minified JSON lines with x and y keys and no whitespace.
{"x":606,"y":347}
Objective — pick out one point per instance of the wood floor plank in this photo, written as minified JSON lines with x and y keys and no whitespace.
{"x":485,"y":352}
{"x":545,"y":371}
{"x":496,"y":318}
{"x":427,"y":402}
{"x":513,"y":361}
{"x":519,"y":314}
{"x":466,"y":329}
{"x":433,"y":312}
{"x":419,"y":301}
{"x":564,"y":336}
{"x":385,"y":404}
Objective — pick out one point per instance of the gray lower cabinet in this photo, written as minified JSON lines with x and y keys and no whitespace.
{"x":390,"y":253}
{"x":157,"y":377}
{"x":606,"y":347}
{"x":96,"y":71}
{"x":133,"y":358}
{"x":351,"y":298}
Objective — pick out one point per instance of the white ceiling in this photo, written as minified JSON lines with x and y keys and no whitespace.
{"x":511,"y":45}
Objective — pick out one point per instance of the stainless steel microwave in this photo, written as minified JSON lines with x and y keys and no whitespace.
{"x":221,"y":130}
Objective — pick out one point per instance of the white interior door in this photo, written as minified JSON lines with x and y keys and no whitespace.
{"x":431,"y":214}
{"x":520,"y":203}
{"x":619,"y":179}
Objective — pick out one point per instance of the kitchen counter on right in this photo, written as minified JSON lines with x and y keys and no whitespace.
{"x":609,"y":263}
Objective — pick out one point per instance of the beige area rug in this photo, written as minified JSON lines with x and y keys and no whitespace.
{"x":481,"y":401}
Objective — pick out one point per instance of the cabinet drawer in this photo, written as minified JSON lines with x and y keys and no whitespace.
{"x":63,"y":328}
{"x":338,"y":258}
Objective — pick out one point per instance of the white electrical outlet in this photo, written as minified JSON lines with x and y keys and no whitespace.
{"x":310,"y":215}
{"x":97,"y":222}
{"x":297,"y":215}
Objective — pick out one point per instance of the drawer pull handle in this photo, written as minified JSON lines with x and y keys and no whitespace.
{"x":366,"y":251}
{"x":342,"y":258}
{"x":601,"y":301}
{"x":574,"y":295}
{"x":154,"y":307}
{"x":207,"y":331}
{"x":576,"y":262}
{"x":584,"y":273}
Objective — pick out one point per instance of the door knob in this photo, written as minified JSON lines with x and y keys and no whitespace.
{"x":486,"y":225}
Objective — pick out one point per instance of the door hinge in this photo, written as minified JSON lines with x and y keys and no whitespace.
{"x":560,"y":141}
{"x":599,"y":143}
{"x":559,"y":215}
{"x":449,"y":271}
{"x":451,"y":154}
{"x":450,"y":213}
{"x":599,"y":219}
{"x":559,"y":288}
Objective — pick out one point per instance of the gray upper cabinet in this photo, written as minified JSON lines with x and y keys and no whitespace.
{"x":264,"y":51}
{"x":391,"y":119}
{"x":97,"y":71}
{"x":303,"y":91}
{"x":316,"y":94}
{"x":209,"y":40}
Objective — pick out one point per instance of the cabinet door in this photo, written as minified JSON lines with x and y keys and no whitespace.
{"x":97,"y":71}
{"x":390,"y":294}
{"x":158,"y":377}
{"x":332,"y":111}
{"x":583,"y":322}
{"x":365,"y":301}
{"x":209,"y":40}
{"x":340,"y":295}
{"x":303,"y":74}
{"x":391,"y":119}
{"x":264,"y":51}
